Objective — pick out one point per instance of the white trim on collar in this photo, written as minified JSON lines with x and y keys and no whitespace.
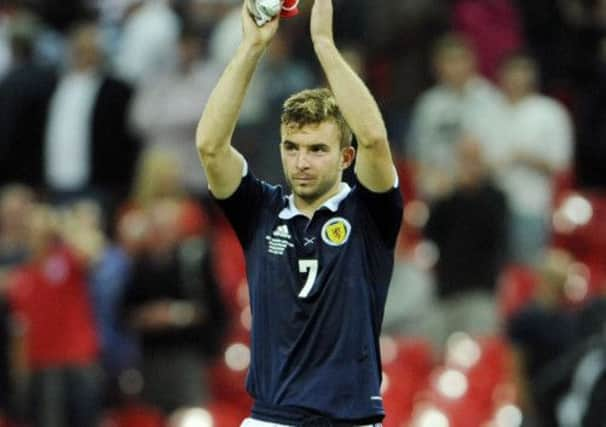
{"x":333,"y":203}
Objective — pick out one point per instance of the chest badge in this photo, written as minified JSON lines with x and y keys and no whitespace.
{"x":336,"y":231}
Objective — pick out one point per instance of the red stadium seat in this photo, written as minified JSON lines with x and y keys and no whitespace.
{"x":465,"y":388}
{"x":516,"y":288}
{"x":228,"y":383}
{"x":229,"y":263}
{"x":407,"y":365}
{"x":449,"y":392}
{"x":226,"y":414}
{"x":563,"y":184}
{"x":579,"y":230}
{"x":494,"y":366}
{"x":135,"y":415}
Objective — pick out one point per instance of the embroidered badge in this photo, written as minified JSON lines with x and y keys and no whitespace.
{"x":336,"y":231}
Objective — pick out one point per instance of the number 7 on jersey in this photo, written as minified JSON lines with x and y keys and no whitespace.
{"x":309,"y":266}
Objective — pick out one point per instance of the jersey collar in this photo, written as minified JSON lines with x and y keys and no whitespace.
{"x":291,"y":211}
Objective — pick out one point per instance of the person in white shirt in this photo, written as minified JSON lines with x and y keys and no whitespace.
{"x":149,"y":41}
{"x":88,"y":149}
{"x":536,"y":145}
{"x":461,"y":104}
{"x":5,"y":51}
{"x":68,"y":139}
{"x":166,"y":108}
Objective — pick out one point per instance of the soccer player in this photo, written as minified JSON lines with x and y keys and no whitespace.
{"x":320,"y":259}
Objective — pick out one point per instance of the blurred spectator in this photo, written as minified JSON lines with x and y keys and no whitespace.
{"x":158,"y":177}
{"x":544,"y":331}
{"x":591,"y":145}
{"x":548,"y":37}
{"x":15,"y":204}
{"x":172,"y":301}
{"x":468,"y":227}
{"x":397,"y":45}
{"x":5,"y":51}
{"x":410,"y":298}
{"x":108,"y":275}
{"x":149,"y":42}
{"x":62,"y":14}
{"x":461,"y":103}
{"x":95,"y":154}
{"x":203,"y":15}
{"x":583,"y":403}
{"x":351,"y":20}
{"x":166,"y":109}
{"x":536,"y":138}
{"x":25,"y":91}
{"x":50,"y":298}
{"x":493,"y":28}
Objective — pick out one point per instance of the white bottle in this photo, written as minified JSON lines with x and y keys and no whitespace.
{"x":264,"y":10}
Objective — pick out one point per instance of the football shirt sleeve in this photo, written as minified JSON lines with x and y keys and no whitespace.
{"x":243,"y":207}
{"x":385,"y":211}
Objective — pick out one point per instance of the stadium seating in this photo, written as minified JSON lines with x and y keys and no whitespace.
{"x":463,"y":390}
{"x":516,"y":288}
{"x":407,"y":363}
{"x":228,"y":414}
{"x":580,"y":224}
{"x":135,"y":415}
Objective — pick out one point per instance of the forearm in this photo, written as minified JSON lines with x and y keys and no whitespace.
{"x":223,"y":107}
{"x":353,"y":97}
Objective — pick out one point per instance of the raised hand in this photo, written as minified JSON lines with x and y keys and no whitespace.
{"x":255,"y":35}
{"x":322,"y":21}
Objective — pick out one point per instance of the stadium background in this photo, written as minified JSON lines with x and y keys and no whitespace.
{"x":144,"y":191}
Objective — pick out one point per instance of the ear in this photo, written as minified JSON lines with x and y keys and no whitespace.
{"x":348,"y":155}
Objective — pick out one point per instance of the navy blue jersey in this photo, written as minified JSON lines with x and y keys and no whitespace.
{"x":317,"y":291}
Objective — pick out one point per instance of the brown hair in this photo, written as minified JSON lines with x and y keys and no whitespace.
{"x":521,"y":60}
{"x":315,"y":106}
{"x":450,"y":42}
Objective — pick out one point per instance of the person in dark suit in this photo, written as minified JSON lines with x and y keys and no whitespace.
{"x":468,"y":227}
{"x":24,"y":95}
{"x":88,"y":147}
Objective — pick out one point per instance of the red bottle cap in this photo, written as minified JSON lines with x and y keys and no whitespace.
{"x":289,"y":8}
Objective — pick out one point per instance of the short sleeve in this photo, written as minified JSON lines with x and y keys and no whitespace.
{"x":385,"y":210}
{"x":242,"y":208}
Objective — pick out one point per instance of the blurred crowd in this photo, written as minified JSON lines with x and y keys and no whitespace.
{"x":122,"y":287}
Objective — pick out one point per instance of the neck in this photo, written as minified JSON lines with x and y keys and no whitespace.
{"x":459,"y":86}
{"x":515,"y":97}
{"x":308,"y":206}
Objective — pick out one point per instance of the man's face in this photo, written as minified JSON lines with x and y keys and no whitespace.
{"x":454,"y":67}
{"x":313,"y":159}
{"x":517,"y":80}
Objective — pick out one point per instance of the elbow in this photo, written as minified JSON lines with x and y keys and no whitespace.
{"x":206,"y":147}
{"x":204,"y":143}
{"x":208,"y":144}
{"x":203,"y":146}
